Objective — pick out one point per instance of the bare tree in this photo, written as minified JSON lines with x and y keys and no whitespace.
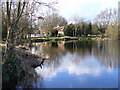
{"x":107,"y":22}
{"x":52,"y":20}
{"x":17,"y":16}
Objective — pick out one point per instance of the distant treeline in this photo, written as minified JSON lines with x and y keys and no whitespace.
{"x":105,"y":24}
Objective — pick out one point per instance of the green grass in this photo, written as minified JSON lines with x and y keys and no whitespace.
{"x":82,"y":38}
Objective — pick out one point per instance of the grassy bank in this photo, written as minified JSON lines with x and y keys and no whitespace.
{"x":34,"y":39}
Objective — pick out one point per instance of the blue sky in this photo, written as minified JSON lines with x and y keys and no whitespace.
{"x":84,"y":8}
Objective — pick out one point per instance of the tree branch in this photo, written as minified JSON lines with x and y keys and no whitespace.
{"x":19,"y":14}
{"x":18,"y":9}
{"x":8,"y":13}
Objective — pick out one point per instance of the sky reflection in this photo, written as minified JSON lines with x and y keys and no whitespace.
{"x":75,"y":71}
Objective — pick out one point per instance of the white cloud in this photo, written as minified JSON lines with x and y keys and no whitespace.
{"x":47,"y":72}
{"x":84,"y":8}
{"x":72,"y":65}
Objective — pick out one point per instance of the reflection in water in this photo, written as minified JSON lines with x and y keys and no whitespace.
{"x":84,"y":64}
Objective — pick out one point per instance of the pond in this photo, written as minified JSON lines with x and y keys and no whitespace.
{"x":78,"y":64}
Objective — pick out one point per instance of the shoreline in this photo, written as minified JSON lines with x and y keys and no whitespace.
{"x":52,"y":39}
{"x":68,"y":39}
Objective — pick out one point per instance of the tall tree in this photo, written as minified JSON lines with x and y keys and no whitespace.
{"x":12,"y":26}
{"x":70,"y":30}
{"x":17,"y":18}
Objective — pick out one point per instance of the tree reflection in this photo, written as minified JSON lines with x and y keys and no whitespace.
{"x":77,"y":57}
{"x":106,"y":52}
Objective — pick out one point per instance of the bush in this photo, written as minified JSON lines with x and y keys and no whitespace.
{"x":54,"y":32}
{"x":70,"y":30}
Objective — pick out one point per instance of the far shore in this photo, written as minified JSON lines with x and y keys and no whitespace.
{"x":67,"y":38}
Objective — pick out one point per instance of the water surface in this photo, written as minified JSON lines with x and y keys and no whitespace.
{"x":78,"y":64}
